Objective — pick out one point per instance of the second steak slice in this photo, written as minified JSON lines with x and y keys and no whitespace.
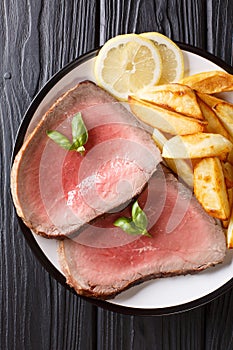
{"x":102,"y":261}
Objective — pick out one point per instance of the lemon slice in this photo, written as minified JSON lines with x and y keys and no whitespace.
{"x":126,"y":64}
{"x":172,"y":57}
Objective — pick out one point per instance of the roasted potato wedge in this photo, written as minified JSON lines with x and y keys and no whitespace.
{"x":210,"y":100}
{"x":229,"y":223}
{"x":214,"y":124}
{"x":230,"y":157}
{"x":224,"y":156}
{"x":199,"y":145}
{"x":225,"y":223}
{"x":210,"y":189}
{"x":228,"y":174}
{"x":230,"y":196}
{"x":164,"y":119}
{"x":159,"y":138}
{"x":180,"y":167}
{"x":223,"y":110}
{"x":177,"y":97}
{"x":210,"y":82}
{"x":229,"y":234}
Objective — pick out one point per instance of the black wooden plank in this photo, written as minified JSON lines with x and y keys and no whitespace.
{"x":36,"y":39}
{"x":219,"y":321}
{"x":184,"y":331}
{"x":180,"y":20}
{"x":220,"y":29}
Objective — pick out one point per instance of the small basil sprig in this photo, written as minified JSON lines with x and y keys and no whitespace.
{"x":79,"y":135}
{"x":137,"y":224}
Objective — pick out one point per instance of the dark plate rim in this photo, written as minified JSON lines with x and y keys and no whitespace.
{"x":43,"y":259}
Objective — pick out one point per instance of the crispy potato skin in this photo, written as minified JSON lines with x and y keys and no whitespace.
{"x":199,"y":145}
{"x":194,"y":131}
{"x":165,"y":119}
{"x":176,"y":97}
{"x":210,"y":82}
{"x":210,"y":188}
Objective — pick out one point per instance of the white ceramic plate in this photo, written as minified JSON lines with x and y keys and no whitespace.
{"x":160,"y":296}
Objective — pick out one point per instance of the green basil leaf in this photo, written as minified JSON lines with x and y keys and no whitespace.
{"x":79,"y":135}
{"x":59,"y":138}
{"x":141,"y":220}
{"x":137,"y":225}
{"x":139,"y":217}
{"x":127,"y":225}
{"x":135,"y":210}
{"x":79,"y":131}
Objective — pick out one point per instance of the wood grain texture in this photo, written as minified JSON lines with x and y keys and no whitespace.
{"x":176,"y":19}
{"x":220,"y":29}
{"x":179,"y":331}
{"x":218,"y":323}
{"x":37,"y":38}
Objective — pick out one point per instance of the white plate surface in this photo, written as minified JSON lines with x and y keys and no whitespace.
{"x":159,"y":293}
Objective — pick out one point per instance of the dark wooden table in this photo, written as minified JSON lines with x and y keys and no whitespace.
{"x":38,"y":38}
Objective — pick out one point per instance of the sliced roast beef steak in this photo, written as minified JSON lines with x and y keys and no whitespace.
{"x":56,"y":191}
{"x":97,"y":264}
